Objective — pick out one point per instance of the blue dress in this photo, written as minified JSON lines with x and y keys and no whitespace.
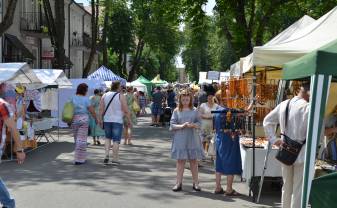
{"x":228,"y":156}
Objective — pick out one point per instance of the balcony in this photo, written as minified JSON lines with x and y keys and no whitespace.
{"x":34,"y":23}
{"x":16,"y":58}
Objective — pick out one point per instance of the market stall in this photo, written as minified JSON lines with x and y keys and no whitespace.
{"x":15,"y":75}
{"x":272,"y":57}
{"x":52,"y":80}
{"x":320,"y":67}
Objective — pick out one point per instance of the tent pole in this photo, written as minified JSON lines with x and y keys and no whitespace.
{"x":253,"y":182}
{"x":319,"y":90}
{"x":58,"y":114}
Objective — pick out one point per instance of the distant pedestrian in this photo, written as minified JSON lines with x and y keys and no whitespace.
{"x":95,"y":130}
{"x":205,"y":110}
{"x":171,"y":98}
{"x":80,"y":123}
{"x":113,"y":108}
{"x":130,"y":99}
{"x":186,"y":143}
{"x":157,"y":106}
{"x":142,"y":102}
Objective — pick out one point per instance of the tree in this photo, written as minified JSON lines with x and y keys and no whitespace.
{"x":153,"y":19}
{"x":9,"y":16}
{"x":94,"y":36}
{"x":56,"y":29}
{"x":107,"y":14}
{"x":120,"y":33}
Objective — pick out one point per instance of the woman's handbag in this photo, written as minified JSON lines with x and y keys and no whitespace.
{"x":68,"y":112}
{"x":135,"y":107}
{"x":289,"y":149}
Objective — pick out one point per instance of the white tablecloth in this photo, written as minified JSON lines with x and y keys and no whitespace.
{"x":273,"y":165}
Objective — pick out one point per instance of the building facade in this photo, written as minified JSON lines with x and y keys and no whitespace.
{"x":27,"y":40}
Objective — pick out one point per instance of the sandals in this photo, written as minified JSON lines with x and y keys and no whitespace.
{"x":196,"y":187}
{"x":220,"y":192}
{"x":233,"y":193}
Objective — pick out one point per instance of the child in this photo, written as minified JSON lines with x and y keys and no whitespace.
{"x":186,"y":143}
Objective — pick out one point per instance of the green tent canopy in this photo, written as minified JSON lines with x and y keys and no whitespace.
{"x":321,"y":66}
{"x":322,"y":61}
{"x":143,"y":80}
{"x":146,"y":82}
{"x":323,"y":193}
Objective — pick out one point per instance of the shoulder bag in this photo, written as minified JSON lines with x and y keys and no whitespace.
{"x":289,"y":149}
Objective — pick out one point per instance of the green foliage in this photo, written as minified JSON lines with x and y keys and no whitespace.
{"x":120,"y":32}
{"x":149,"y":32}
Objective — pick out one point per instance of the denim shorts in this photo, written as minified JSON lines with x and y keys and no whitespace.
{"x":113,"y":131}
{"x":156,"y":110}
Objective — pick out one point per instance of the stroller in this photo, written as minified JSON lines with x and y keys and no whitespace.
{"x":166,"y":116}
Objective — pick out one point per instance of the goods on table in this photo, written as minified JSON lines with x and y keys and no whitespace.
{"x":260,"y":142}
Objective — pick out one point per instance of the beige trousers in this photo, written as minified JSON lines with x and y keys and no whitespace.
{"x":292,"y":185}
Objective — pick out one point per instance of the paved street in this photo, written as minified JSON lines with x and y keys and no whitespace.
{"x":145,"y":178}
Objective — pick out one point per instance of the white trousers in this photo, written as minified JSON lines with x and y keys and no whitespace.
{"x":292,"y":185}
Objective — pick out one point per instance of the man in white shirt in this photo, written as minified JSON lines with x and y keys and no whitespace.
{"x":296,"y":129}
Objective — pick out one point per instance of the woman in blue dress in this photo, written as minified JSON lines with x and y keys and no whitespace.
{"x":228,"y":156}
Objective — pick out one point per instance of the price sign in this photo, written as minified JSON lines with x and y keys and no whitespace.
{"x":213,"y":75}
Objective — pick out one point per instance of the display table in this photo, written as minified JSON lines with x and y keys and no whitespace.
{"x":273,"y":165}
{"x":42,"y":128}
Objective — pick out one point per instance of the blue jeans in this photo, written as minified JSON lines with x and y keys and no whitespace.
{"x":5,"y":198}
{"x":113,"y":131}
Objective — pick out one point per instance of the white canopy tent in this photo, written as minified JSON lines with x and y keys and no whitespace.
{"x":51,"y":77}
{"x":17,"y":73}
{"x":317,"y":34}
{"x":246,"y":63}
{"x":235,"y":69}
{"x":139,"y":86}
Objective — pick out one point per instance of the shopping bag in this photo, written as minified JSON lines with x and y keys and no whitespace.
{"x":68,"y":112}
{"x":211,"y":148}
{"x":135,"y":107}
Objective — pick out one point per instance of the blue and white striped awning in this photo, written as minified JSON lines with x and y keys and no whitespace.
{"x":106,"y":74}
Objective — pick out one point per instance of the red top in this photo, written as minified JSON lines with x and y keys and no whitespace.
{"x":4,"y":114}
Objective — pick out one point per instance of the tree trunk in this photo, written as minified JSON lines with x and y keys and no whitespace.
{"x":59,"y":35}
{"x":136,"y":60}
{"x":104,"y":35}
{"x":9,"y":16}
{"x":94,"y":17}
{"x":120,"y":61}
